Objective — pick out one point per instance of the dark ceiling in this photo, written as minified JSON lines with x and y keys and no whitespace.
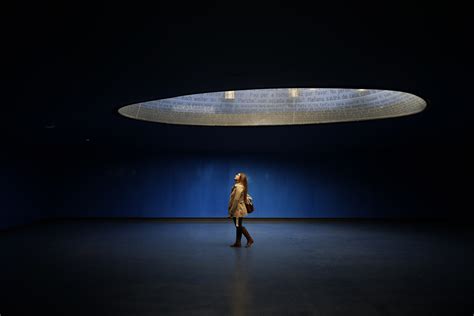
{"x":69,"y":68}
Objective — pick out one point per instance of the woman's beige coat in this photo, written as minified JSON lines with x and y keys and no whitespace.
{"x":237,"y":206}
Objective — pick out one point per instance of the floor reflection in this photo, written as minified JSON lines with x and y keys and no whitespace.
{"x":241,"y":296}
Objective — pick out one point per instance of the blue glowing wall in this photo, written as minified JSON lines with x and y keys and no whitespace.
{"x":358,"y":184}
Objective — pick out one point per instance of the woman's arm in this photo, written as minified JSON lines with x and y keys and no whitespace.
{"x":235,"y":197}
{"x":231,"y":197}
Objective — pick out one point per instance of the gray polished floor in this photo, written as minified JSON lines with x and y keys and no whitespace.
{"x":119,"y":267}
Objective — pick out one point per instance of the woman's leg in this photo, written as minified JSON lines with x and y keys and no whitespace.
{"x":239,"y":228}
{"x":237,"y":221}
{"x":247,"y":236}
{"x":238,"y":232}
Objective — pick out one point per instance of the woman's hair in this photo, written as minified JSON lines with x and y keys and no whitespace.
{"x":243,"y":180}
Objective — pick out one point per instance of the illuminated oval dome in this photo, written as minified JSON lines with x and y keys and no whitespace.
{"x":280,"y":106}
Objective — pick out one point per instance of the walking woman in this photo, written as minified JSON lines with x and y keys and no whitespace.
{"x":237,"y":209}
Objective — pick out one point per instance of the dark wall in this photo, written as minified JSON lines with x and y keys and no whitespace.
{"x":24,"y":189}
{"x":359,"y":182}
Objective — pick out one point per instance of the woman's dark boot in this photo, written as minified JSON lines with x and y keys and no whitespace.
{"x":238,"y":237}
{"x":247,"y":235}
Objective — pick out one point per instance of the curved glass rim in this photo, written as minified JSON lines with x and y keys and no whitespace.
{"x":276,"y":106}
